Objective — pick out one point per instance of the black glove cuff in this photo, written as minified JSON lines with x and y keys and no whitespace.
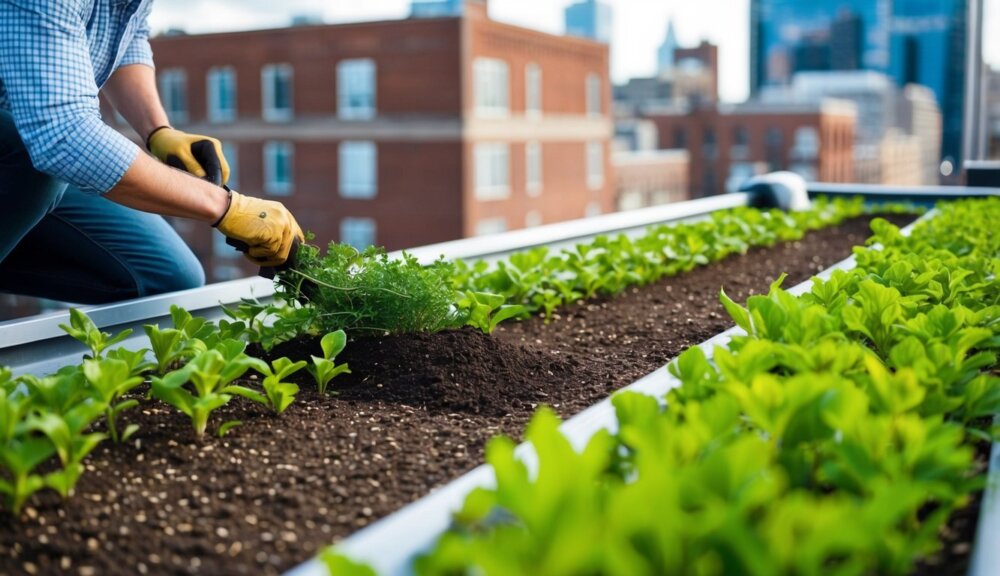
{"x":155,"y":130}
{"x":229,"y":204}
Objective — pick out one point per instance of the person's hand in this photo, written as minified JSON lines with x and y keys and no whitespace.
{"x":198,"y":155}
{"x":266,"y":227}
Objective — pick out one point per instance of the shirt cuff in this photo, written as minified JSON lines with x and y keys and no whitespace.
{"x":138,"y":52}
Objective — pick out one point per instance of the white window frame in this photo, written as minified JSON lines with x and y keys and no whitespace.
{"x":492,"y":170}
{"x":594,"y":162}
{"x":215,"y":79}
{"x":533,"y":90}
{"x":491,"y":86}
{"x":268,"y":75}
{"x":350,"y":226}
{"x":593,"y":209}
{"x":593,"y":94}
{"x":532,"y":219}
{"x":232,"y":153}
{"x":357,"y":74}
{"x":357,"y":167}
{"x":533,"y":168}
{"x":272,"y":185}
{"x":488,"y":226}
{"x":169,"y":79}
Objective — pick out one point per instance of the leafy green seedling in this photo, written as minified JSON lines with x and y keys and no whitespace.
{"x":210,"y":374}
{"x":136,"y":360}
{"x":110,"y":380}
{"x":20,"y":452}
{"x":82,"y":328}
{"x":280,"y":394}
{"x":325,"y":369}
{"x":485,"y":311}
{"x":167,"y":346}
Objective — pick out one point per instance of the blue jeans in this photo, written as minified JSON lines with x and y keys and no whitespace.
{"x":59,"y":243}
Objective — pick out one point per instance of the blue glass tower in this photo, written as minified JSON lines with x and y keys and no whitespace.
{"x":929,"y":45}
{"x":913,"y":41}
{"x":589,"y":19}
{"x":436,"y":8}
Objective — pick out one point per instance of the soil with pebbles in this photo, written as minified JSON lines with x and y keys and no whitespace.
{"x":414,"y":414}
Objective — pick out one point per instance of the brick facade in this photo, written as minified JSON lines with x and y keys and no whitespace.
{"x":729,"y":142}
{"x":425,"y":128}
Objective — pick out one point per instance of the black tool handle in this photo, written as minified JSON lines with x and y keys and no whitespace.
{"x":268,"y":271}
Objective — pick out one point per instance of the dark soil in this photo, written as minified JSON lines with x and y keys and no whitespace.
{"x":415,"y":414}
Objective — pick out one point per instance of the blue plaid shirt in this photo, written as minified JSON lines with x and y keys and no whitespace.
{"x":54,"y":58}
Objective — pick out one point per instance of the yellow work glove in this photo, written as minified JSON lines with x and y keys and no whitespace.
{"x":266,"y":227}
{"x":198,"y":155}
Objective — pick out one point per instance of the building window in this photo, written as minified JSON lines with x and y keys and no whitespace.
{"x":680,"y":137}
{"x":278,"y":157}
{"x":595,"y":165}
{"x":533,"y":168}
{"x":358,"y":168}
{"x":173,"y":94}
{"x":492,"y":87}
{"x":533,"y":90}
{"x":593,"y":95}
{"x":708,"y":145}
{"x":804,"y":169}
{"x":491,"y":226}
{"x":276,"y":87}
{"x":221,"y":85}
{"x":806,"y":144}
{"x":492,"y":161}
{"x":593,"y":209}
{"x":740,"y":150}
{"x":532,"y":218}
{"x":357,"y":232}
{"x":773,"y":142}
{"x":232,"y":153}
{"x":356,"y":89}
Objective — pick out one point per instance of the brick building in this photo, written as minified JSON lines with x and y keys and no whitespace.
{"x":650,"y":178}
{"x":729,"y":143}
{"x":399,"y":133}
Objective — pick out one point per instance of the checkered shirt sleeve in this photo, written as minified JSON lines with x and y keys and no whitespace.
{"x":51,"y":92}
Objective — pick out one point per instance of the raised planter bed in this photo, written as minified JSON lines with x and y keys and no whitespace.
{"x":415,"y":414}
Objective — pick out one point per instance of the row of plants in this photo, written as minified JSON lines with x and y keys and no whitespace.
{"x":369,"y":293}
{"x":835,"y":437}
{"x":50,"y":424}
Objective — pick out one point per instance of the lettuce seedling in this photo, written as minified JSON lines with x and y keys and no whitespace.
{"x":135,"y":359}
{"x":280,"y":394}
{"x":485,"y":311}
{"x":110,"y":380}
{"x":20,"y":452}
{"x":82,"y":328}
{"x":210,"y":374}
{"x":167,"y":346}
{"x":325,"y":369}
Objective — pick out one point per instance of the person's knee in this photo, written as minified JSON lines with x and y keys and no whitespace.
{"x":179,"y":271}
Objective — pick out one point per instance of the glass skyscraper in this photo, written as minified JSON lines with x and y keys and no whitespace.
{"x":589,"y":19}
{"x":913,"y":41}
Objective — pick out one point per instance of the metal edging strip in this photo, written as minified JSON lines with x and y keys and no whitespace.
{"x":391,"y":544}
{"x":986,"y":547}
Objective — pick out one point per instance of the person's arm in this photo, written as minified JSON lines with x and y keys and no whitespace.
{"x":132,"y":91}
{"x":47,"y":74}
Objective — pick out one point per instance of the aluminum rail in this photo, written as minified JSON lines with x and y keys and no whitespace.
{"x":37,"y":345}
{"x":562,"y":234}
{"x":986,"y":548}
{"x":391,"y":544}
{"x":884,"y":193}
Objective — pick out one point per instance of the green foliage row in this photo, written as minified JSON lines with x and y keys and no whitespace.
{"x":833,"y":438}
{"x":53,"y":422}
{"x":368,"y":293}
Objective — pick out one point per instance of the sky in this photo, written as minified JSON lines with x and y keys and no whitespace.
{"x":639,"y":26}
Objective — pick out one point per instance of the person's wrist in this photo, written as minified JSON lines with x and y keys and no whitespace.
{"x":221,"y":199}
{"x":149,"y":137}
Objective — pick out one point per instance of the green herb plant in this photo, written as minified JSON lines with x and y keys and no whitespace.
{"x":325,"y":369}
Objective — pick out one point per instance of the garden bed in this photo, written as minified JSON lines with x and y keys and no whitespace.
{"x":415,"y":414}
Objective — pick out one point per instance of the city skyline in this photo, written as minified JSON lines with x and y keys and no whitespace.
{"x":645,"y":26}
